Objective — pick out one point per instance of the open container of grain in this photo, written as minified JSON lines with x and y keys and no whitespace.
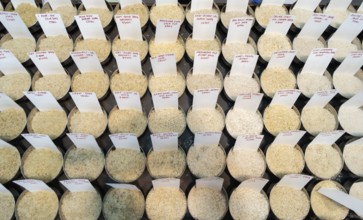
{"x":7,"y":203}
{"x":166,"y":200}
{"x":101,"y":9}
{"x":356,"y":191}
{"x":12,"y":117}
{"x":266,"y":11}
{"x":166,"y":10}
{"x":206,"y":157}
{"x":197,"y":8}
{"x":9,"y":164}
{"x":281,"y":115}
{"x":289,"y":199}
{"x":350,"y":115}
{"x":246,"y":160}
{"x":353,"y":156}
{"x":166,"y":159}
{"x":323,"y":157}
{"x":37,"y":200}
{"x":340,"y":10}
{"x":125,"y":160}
{"x":134,"y":8}
{"x":27,"y":11}
{"x":66,"y":9}
{"x":129,"y":36}
{"x":208,"y":199}
{"x":84,"y":159}
{"x":277,"y":75}
{"x":248,"y":201}
{"x":122,"y":202}
{"x":244,"y":118}
{"x":303,"y":10}
{"x":235,"y":10}
{"x":80,"y":200}
{"x":14,"y":78}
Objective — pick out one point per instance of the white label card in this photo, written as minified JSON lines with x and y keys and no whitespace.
{"x":164,"y":64}
{"x":78,"y":185}
{"x":272,"y":2}
{"x":47,"y":63}
{"x":255,"y":183}
{"x":286,"y":97}
{"x":57,"y":3}
{"x":328,"y":138}
{"x":321,"y":99}
{"x":350,"y":65}
{"x":167,"y":182}
{"x":310,"y":5}
{"x":125,"y":141}
{"x":280,"y":24}
{"x":165,"y":141}
{"x":350,"y":28}
{"x":239,"y":29}
{"x":128,"y":62}
{"x":215,"y":183}
{"x":204,"y":26}
{"x":128,"y":100}
{"x":205,"y":98}
{"x":85,"y":141}
{"x":4,"y":190}
{"x":16,"y":3}
{"x":87,"y":61}
{"x":166,"y":2}
{"x":40,"y":141}
{"x":33,"y":185}
{"x":356,"y":142}
{"x":9,"y":64}
{"x":296,"y":181}
{"x":164,"y":100}
{"x":198,"y":5}
{"x":248,"y":142}
{"x":316,"y":25}
{"x":125,"y":3}
{"x":282,"y":59}
{"x":52,"y":24}
{"x":355,"y":101}
{"x":6,"y":102}
{"x":207,"y":139}
{"x":167,"y":31}
{"x":43,"y":100}
{"x":129,"y":27}
{"x":290,"y":138}
{"x":94,"y":4}
{"x":4,"y":144}
{"x":14,"y":25}
{"x":236,"y":5}
{"x":123,"y":186}
{"x":86,"y":101}
{"x":338,"y":4}
{"x":244,"y":64}
{"x":205,"y":62}
{"x":249,"y":101}
{"x":90,"y":26}
{"x":318,"y":61}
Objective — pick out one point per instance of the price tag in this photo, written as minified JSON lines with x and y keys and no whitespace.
{"x":282,"y":59}
{"x":86,"y":101}
{"x":327,"y":138}
{"x":166,"y":182}
{"x":350,"y":28}
{"x":78,"y":185}
{"x":90,"y":26}
{"x":338,"y":4}
{"x":128,"y":100}
{"x":350,"y":65}
{"x":205,"y":62}
{"x":205,"y":26}
{"x":167,"y":31}
{"x":290,"y":138}
{"x":166,"y":2}
{"x":272,"y":2}
{"x":14,"y":25}
{"x":164,"y":100}
{"x":248,"y":101}
{"x":4,"y":190}
{"x":280,"y":24}
{"x":58,"y":3}
{"x":129,"y":27}
{"x":255,"y":183}
{"x":43,"y":100}
{"x":40,"y":141}
{"x":207,"y":139}
{"x":307,"y":5}
{"x":316,"y":25}
{"x":205,"y":98}
{"x":215,"y":183}
{"x":198,"y":5}
{"x":125,"y":141}
{"x":125,"y":3}
{"x":123,"y":186}
{"x":236,"y":5}
{"x":356,"y":142}
{"x":6,"y":102}
{"x":52,"y":24}
{"x":244,"y":64}
{"x":9,"y":64}
{"x":47,"y":63}
{"x":84,"y":141}
{"x":321,"y":99}
{"x":16,"y":3}
{"x":128,"y":62}
{"x":355,"y":101}
{"x":286,"y":97}
{"x":248,"y":142}
{"x":296,"y":181}
{"x":33,"y":185}
{"x":4,"y":144}
{"x":165,"y":141}
{"x":87,"y":61}
{"x":239,"y":29}
{"x":94,"y":4}
{"x":164,"y":64}
{"x":318,"y":61}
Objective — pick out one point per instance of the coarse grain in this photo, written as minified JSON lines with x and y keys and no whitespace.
{"x":105,"y":15}
{"x":235,"y":48}
{"x":242,"y":122}
{"x":57,"y":84}
{"x":169,"y":82}
{"x":93,"y":123}
{"x":317,"y":119}
{"x":129,"y":82}
{"x":264,"y":14}
{"x":13,"y":121}
{"x":204,"y":81}
{"x":196,"y":45}
{"x":20,"y":47}
{"x":227,"y":16}
{"x":96,"y":82}
{"x":7,"y":206}
{"x":189,"y":15}
{"x":51,"y":123}
{"x":302,"y":15}
{"x":356,"y":190}
{"x":66,"y":12}
{"x":238,"y":84}
{"x":27,"y":13}
{"x":166,"y":11}
{"x":279,"y":118}
{"x":351,"y":120}
{"x":353,"y":158}
{"x":136,"y":9}
{"x":14,"y":85}
{"x":309,"y":83}
{"x":271,"y":42}
{"x":206,"y":120}
{"x":344,"y":48}
{"x":167,"y":120}
{"x":101,"y":47}
{"x":61,"y":45}
{"x":166,"y":164}
{"x":276,"y":78}
{"x":127,"y":121}
{"x":131,"y":45}
{"x":348,"y":85}
{"x":177,"y":48}
{"x":9,"y":164}
{"x":304,"y":45}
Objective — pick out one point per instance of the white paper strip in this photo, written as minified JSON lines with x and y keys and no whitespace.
{"x":166,"y":2}
{"x":4,"y":144}
{"x":165,"y":141}
{"x":290,"y":138}
{"x":316,"y":25}
{"x":125,"y":141}
{"x":14,"y":25}
{"x":4,"y":190}
{"x":351,"y":64}
{"x":52,"y":24}
{"x":205,"y":62}
{"x":123,"y":186}
{"x":207,"y":139}
{"x":249,"y":101}
{"x":280,"y":24}
{"x":198,"y":5}
{"x":168,"y":182}
{"x":255,"y":183}
{"x":128,"y":62}
{"x":272,"y":2}
{"x":318,"y":61}
{"x":328,"y":138}
{"x":57,"y":3}
{"x":78,"y":185}
{"x":204,"y":26}
{"x":47,"y":63}
{"x":86,"y":101}
{"x":215,"y":183}
{"x":9,"y":64}
{"x":33,"y":185}
{"x":338,"y":4}
{"x":6,"y":102}
{"x":43,"y":100}
{"x":94,"y":4}
{"x":239,"y":29}
{"x":236,"y":5}
{"x":90,"y":26}
{"x":249,"y":142}
{"x":296,"y":181}
{"x":128,"y":27}
{"x":244,"y":64}
{"x":355,"y":101}
{"x":167,"y":31}
{"x":350,"y":28}
{"x":164,"y":100}
{"x":125,"y":3}
{"x":128,"y":100}
{"x":85,"y":141}
{"x":164,"y":64}
{"x":40,"y":141}
{"x":310,"y":5}
{"x":286,"y":97}
{"x":282,"y":59}
{"x":321,"y":99}
{"x":87,"y":61}
{"x":205,"y":98}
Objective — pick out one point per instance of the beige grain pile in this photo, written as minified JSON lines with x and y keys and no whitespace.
{"x":105,"y":15}
{"x":27,"y":13}
{"x":9,"y":163}
{"x":131,"y":45}
{"x":61,"y":45}
{"x":129,"y":82}
{"x":20,"y":47}
{"x":169,"y":82}
{"x":204,"y":81}
{"x":196,"y":45}
{"x":277,"y":78}
{"x":15,"y":84}
{"x":101,"y":47}
{"x":7,"y":206}
{"x":57,"y":84}
{"x":51,"y":123}
{"x":136,"y":9}
{"x":91,"y":82}
{"x":93,"y":123}
{"x":177,"y":48}
{"x":13,"y":121}
{"x":206,"y":120}
{"x":166,"y":164}
{"x":279,"y":118}
{"x":167,"y":120}
{"x":166,"y":11}
{"x":127,"y":121}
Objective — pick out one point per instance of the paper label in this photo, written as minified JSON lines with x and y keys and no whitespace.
{"x":125,"y":3}
{"x":6,"y":102}
{"x":123,"y":186}
{"x":280,"y":24}
{"x":166,"y":182}
{"x":86,"y":101}
{"x":47,"y":63}
{"x":355,"y":101}
{"x":4,"y":144}
{"x":84,"y":141}
{"x":296,"y":181}
{"x":16,"y":3}
{"x":128,"y":100}
{"x":244,"y":64}
{"x":94,"y":4}
{"x":14,"y":25}
{"x":236,"y":5}
{"x":9,"y":64}
{"x":338,"y":4}
{"x":128,"y":62}
{"x":43,"y":100}
{"x":321,"y":99}
{"x":52,"y":24}
{"x":286,"y":97}
{"x":210,"y":182}
{"x":248,"y":101}
{"x":164,"y":100}
{"x":165,"y":141}
{"x":310,"y":5}
{"x":205,"y":62}
{"x":40,"y":141}
{"x":205,"y":98}
{"x":318,"y":61}
{"x":248,"y":142}
{"x":4,"y":190}
{"x":33,"y":185}
{"x":350,"y":65}
{"x":87,"y":61}
{"x":255,"y":183}
{"x":90,"y":26}
{"x":198,"y":5}
{"x":350,"y":28}
{"x":239,"y":29}
{"x":164,"y":64}
{"x":356,"y":142}
{"x":205,"y":26}
{"x":166,"y":2}
{"x":167,"y":31}
{"x":125,"y":141}
{"x":316,"y":25}
{"x":207,"y":139}
{"x":272,"y":2}
{"x":327,"y":138}
{"x":129,"y":27}
{"x":57,"y":3}
{"x":78,"y":185}
{"x":282,"y":59}
{"x":290,"y":138}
